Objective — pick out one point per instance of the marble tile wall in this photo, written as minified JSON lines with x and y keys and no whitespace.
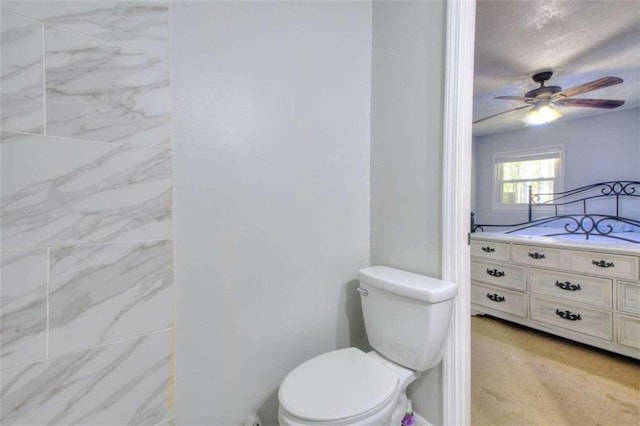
{"x":86,"y":260}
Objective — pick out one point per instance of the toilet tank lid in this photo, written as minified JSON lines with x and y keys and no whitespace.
{"x":408,"y":284}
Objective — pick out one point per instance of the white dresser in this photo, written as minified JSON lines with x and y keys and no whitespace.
{"x":589,"y":293}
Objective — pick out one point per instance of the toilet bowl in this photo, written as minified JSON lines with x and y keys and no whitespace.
{"x":344,"y":387}
{"x":407,"y":319}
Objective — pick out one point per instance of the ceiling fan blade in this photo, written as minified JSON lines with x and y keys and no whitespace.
{"x":516,"y":98}
{"x":500,"y":113}
{"x":590,"y":103}
{"x":587,"y":87}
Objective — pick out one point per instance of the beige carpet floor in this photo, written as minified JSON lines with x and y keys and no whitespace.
{"x":523,"y":377}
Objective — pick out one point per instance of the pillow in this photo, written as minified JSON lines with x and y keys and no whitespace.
{"x":627,"y":227}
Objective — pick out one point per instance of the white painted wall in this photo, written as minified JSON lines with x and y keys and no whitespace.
{"x":598,"y":148}
{"x":406,"y":152}
{"x":271,"y":117}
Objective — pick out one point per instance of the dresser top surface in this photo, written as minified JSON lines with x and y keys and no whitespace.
{"x":593,"y":244}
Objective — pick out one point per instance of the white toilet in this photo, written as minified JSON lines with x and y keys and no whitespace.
{"x":407,"y":319}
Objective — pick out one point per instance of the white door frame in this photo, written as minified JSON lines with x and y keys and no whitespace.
{"x":460,"y":38}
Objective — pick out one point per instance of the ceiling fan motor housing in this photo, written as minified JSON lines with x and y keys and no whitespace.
{"x":543,"y":92}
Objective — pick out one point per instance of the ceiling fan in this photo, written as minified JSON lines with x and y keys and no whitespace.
{"x":541,"y":101}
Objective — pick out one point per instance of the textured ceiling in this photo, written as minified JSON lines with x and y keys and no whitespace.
{"x":578,"y":40}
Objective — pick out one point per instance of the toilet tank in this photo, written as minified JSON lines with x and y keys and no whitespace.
{"x":406,"y":315}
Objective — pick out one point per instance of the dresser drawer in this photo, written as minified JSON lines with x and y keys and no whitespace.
{"x":490,"y":250}
{"x":577,"y":288}
{"x":509,"y":276}
{"x":629,"y":297}
{"x":572,"y":317}
{"x":499,"y":299}
{"x":536,"y":256}
{"x":628,"y":331}
{"x":610,"y":265}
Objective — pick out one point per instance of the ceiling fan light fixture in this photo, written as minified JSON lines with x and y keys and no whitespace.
{"x":541,"y":114}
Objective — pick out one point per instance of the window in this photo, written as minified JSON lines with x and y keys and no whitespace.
{"x":516,"y":171}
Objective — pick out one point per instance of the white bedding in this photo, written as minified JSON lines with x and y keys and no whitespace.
{"x":540,"y":231}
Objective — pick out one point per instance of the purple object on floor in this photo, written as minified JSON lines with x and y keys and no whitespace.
{"x":408,"y":420}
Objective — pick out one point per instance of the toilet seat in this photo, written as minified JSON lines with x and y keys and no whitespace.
{"x":340,"y":386}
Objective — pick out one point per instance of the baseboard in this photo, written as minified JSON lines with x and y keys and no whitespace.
{"x":419,"y":420}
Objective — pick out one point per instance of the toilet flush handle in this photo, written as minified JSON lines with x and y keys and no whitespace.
{"x":362,"y":291}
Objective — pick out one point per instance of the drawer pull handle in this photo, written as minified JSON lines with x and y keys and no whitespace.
{"x":495,"y":273}
{"x":495,"y":297}
{"x":537,"y":255}
{"x":568,"y":286}
{"x":602,"y":263}
{"x":568,"y":315}
{"x":488,"y":249}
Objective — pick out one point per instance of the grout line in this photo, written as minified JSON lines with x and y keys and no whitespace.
{"x":110,"y":43}
{"x":115,"y":342}
{"x":17,"y":132}
{"x":126,"y":339}
{"x":79,"y":351}
{"x":174,"y":298}
{"x":44,"y":82}
{"x":48,"y":321}
{"x":72,"y":244}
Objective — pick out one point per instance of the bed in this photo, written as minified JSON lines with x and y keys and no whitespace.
{"x":572,"y":268}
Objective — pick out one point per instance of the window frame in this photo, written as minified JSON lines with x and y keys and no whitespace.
{"x":544,"y":152}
